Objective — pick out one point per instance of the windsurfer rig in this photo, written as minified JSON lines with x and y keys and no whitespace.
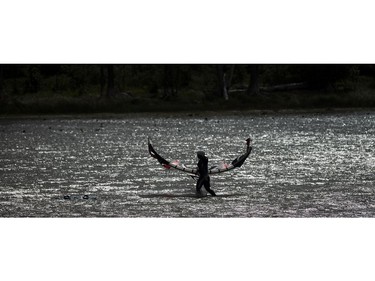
{"x":236,"y":163}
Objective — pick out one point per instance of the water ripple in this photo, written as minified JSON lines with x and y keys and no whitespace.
{"x":316,"y":165}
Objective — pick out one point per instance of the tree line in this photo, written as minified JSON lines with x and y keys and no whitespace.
{"x":166,"y":82}
{"x":169,"y":79}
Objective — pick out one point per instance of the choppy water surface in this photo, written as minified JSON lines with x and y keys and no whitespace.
{"x":311,"y":165}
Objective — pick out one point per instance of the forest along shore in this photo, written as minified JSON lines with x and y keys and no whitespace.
{"x":90,"y":89}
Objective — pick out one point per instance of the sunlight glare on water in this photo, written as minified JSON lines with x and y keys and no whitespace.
{"x":310,"y":165}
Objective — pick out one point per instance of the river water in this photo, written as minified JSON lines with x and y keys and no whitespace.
{"x":302,"y":165}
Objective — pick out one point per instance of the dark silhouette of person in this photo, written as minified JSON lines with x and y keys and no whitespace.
{"x":204,"y":179}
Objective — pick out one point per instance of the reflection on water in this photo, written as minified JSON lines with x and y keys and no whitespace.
{"x":311,"y":165}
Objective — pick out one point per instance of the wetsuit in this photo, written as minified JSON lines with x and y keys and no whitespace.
{"x":204,"y":178}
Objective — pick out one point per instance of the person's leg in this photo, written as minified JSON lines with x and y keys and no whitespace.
{"x":207,"y":186}
{"x":199,"y":186}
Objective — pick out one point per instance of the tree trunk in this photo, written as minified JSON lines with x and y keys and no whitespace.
{"x":102,"y":81}
{"x":225,"y":87}
{"x":1,"y":82}
{"x":224,"y":80}
{"x":253,"y":88}
{"x":170,"y":80}
{"x":110,"y":81}
{"x":229,"y":81}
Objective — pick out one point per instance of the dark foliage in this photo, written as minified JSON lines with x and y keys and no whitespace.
{"x":61,"y":87}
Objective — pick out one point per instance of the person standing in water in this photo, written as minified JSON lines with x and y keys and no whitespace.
{"x":204,"y":178}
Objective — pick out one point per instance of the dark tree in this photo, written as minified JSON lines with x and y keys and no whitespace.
{"x":170,"y":80}
{"x":1,"y":81}
{"x":322,"y":76}
{"x":224,"y":79}
{"x":107,"y":81}
{"x":110,"y":81}
{"x":253,"y":88}
{"x":230,"y":78}
{"x":102,"y":81}
{"x":34,"y":79}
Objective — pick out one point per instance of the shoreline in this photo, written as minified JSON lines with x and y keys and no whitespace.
{"x":192,"y":113}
